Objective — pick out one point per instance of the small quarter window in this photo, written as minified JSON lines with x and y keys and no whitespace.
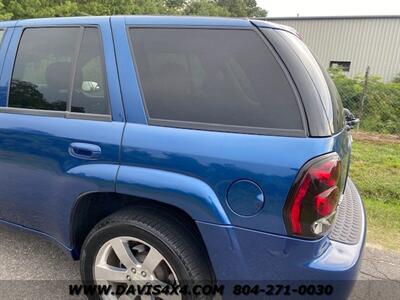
{"x":89,"y":95}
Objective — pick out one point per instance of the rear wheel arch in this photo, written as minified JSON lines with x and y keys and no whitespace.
{"x":91,"y":208}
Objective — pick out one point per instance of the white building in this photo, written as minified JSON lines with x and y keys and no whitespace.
{"x":353,"y":42}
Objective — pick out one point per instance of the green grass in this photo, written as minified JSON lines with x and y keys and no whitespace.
{"x":375,"y":170}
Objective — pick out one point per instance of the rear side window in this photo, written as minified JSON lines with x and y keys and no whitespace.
{"x":54,"y":67}
{"x":214,"y":77}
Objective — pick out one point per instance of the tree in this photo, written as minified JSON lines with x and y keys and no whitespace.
{"x":123,"y":7}
{"x":205,"y":8}
{"x":107,"y":7}
{"x":22,"y":9}
{"x":243,"y":8}
{"x":396,"y":79}
{"x":381,"y":110}
{"x":40,"y":8}
{"x":175,"y":4}
{"x":350,"y":89}
{"x":4,"y":14}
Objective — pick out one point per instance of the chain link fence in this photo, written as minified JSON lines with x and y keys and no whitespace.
{"x":375,"y":103}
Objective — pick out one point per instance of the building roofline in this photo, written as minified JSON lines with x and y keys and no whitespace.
{"x":332,"y":17}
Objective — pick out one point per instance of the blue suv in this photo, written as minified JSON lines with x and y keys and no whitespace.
{"x":165,"y":150}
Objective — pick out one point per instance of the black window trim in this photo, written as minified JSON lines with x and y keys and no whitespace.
{"x":57,"y":113}
{"x":223,"y":127}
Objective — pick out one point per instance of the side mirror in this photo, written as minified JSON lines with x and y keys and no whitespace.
{"x":90,"y":86}
{"x":350,"y":119}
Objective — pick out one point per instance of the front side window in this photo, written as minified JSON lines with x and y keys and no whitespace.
{"x":213,"y":76}
{"x":48,"y":61}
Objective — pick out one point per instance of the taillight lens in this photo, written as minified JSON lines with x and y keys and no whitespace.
{"x":311,"y":206}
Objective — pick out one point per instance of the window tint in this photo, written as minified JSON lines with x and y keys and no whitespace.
{"x":44,"y":67}
{"x":326,"y":88}
{"x":213,"y":76}
{"x":89,"y":94}
{"x":42,"y":71}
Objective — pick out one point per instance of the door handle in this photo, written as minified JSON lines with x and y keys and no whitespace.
{"x":84,"y":151}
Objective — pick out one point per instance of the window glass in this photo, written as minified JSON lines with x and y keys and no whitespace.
{"x":326,"y":88}
{"x":42,"y":71}
{"x":213,"y":76}
{"x":89,"y":94}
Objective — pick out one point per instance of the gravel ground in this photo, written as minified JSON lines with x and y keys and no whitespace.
{"x":27,"y":257}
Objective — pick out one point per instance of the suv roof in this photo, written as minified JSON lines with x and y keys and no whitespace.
{"x":154,"y":20}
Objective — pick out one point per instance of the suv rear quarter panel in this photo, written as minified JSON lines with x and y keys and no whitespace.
{"x":217,"y":159}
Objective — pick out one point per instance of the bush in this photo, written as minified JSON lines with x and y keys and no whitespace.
{"x":396,"y":79}
{"x":381,"y":109}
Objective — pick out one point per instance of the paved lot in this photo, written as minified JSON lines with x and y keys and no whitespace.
{"x":27,"y":257}
{"x":379,"y":276}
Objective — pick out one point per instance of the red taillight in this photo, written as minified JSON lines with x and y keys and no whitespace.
{"x":325,"y":203}
{"x":312,"y":203}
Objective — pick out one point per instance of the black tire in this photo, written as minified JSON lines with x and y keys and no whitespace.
{"x":170,"y":237}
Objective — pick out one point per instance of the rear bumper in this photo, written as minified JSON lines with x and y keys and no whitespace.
{"x":242,"y":255}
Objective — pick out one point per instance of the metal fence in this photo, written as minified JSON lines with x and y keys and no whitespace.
{"x":375,"y":103}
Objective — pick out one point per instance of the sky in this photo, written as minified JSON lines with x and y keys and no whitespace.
{"x":290,"y":8}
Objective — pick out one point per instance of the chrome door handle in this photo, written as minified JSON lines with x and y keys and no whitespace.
{"x":84,"y":151}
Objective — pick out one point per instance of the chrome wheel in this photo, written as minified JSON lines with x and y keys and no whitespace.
{"x":131,"y":261}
